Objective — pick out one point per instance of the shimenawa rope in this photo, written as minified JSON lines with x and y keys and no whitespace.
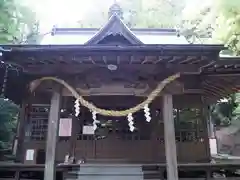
{"x":105,"y":112}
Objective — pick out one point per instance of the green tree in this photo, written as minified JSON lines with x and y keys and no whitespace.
{"x":152,"y":13}
{"x":213,"y":22}
{"x":227,"y":28}
{"x":8,"y":122}
{"x":16,"y":22}
{"x":223,"y":112}
{"x":17,"y":25}
{"x":197,"y":25}
{"x":138,"y":14}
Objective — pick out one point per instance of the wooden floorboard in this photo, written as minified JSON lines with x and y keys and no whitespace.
{"x":192,"y":166}
{"x":233,"y":178}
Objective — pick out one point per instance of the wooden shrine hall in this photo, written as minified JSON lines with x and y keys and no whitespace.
{"x":115,"y":98}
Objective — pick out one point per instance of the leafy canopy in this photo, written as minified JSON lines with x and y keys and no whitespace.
{"x":227,"y":28}
{"x":16,"y":21}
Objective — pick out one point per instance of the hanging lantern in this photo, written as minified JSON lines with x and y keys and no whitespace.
{"x":147,"y":113}
{"x":77,"y":107}
{"x":130,"y":122}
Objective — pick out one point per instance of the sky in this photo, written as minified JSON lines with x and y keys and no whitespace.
{"x":57,"y":12}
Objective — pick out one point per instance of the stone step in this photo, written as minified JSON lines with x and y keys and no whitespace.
{"x":107,"y":172}
{"x":108,"y":169}
{"x":151,"y":175}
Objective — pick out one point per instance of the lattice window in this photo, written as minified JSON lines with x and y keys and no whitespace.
{"x":38,"y":121}
{"x":189,"y":125}
{"x":39,"y":129}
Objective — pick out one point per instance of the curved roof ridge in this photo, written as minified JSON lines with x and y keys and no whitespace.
{"x":114,"y":27}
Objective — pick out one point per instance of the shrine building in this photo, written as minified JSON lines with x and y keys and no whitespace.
{"x":131,"y":98}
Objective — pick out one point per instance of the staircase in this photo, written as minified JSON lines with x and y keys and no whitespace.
{"x":110,"y":171}
{"x":152,"y":173}
{"x":106,"y":172}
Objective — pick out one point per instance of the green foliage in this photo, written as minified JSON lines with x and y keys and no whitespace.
{"x":197,"y":25}
{"x":223,"y":112}
{"x":152,"y":13}
{"x":139,"y":14}
{"x":214,"y":21}
{"x":227,"y":28}
{"x":8,"y":122}
{"x":16,"y":22}
{"x":237,"y":101}
{"x":17,"y":25}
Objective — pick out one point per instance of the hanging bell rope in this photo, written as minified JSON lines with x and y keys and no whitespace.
{"x":105,"y":112}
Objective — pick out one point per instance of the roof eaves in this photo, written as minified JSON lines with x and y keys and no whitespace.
{"x":144,"y":47}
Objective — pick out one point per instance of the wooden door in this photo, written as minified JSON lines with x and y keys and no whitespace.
{"x":128,"y":149}
{"x":110,"y":147}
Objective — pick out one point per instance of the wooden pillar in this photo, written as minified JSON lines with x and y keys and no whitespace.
{"x":73,"y":138}
{"x":53,"y":125}
{"x":17,"y":175}
{"x":19,"y":139}
{"x":169,"y":137}
{"x":211,"y":130}
{"x":204,"y":119}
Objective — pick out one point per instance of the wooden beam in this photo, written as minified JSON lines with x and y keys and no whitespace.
{"x":231,"y":73}
{"x":79,"y":68}
{"x":156,"y":48}
{"x":212,"y":86}
{"x":53,"y":125}
{"x":189,"y":59}
{"x":211,"y":63}
{"x":228,"y":61}
{"x":169,"y":137}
